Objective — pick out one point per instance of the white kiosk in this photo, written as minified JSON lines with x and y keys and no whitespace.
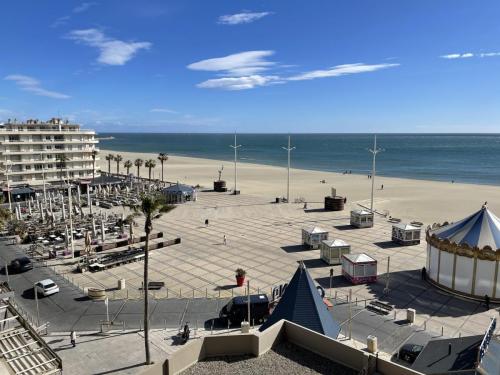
{"x":406,"y":234}
{"x":362,"y":218}
{"x":332,"y":250}
{"x":313,"y":236}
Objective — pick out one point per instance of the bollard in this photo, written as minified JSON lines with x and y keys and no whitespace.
{"x":459,"y":334}
{"x":180,"y":293}
{"x":258,"y":290}
{"x":442,"y":331}
{"x":127,"y":293}
{"x":219,"y":293}
{"x":165,"y":324}
{"x":212,"y":328}
{"x":206,"y":292}
{"x":232,"y":292}
{"x":356,"y":301}
{"x":193,"y":293}
{"x":335,"y":296}
{"x":394,"y":314}
{"x":167,"y":292}
{"x":425,"y":325}
{"x":365,"y":303}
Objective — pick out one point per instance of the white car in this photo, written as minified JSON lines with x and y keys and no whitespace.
{"x":46,"y":287}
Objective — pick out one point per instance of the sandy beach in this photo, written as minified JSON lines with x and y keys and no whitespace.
{"x":425,"y":201}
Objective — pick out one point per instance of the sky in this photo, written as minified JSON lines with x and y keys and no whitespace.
{"x":327,"y":66}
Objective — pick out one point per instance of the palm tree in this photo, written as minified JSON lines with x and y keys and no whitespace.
{"x":128,"y":164}
{"x":109,"y":158}
{"x":61,"y":163}
{"x":118,"y":159}
{"x":138,"y":163}
{"x":94,"y":154}
{"x":150,"y":164}
{"x":162,"y":157}
{"x":152,"y":207}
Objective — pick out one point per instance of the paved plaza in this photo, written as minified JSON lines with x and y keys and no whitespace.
{"x":264,"y":238}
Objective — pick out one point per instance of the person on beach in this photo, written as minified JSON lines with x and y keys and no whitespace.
{"x":345,"y":200}
{"x":382,"y":187}
{"x":206,"y":222}
{"x":72,"y":337}
{"x":224,"y":240}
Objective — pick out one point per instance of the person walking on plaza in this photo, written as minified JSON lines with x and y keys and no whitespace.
{"x":424,"y":273}
{"x":206,"y":222}
{"x":72,"y":337}
{"x":487,"y":301}
{"x":224,"y":240}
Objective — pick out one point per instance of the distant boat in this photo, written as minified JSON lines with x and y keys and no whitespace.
{"x":105,"y":138}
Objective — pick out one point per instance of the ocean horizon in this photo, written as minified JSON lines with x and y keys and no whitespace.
{"x":465,"y":158}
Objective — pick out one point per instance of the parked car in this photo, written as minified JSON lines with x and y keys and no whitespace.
{"x":410,"y":352}
{"x":237,"y":309}
{"x":46,"y":287}
{"x":21,"y":264}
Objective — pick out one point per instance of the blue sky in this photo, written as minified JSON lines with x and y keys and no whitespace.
{"x":254,"y":66}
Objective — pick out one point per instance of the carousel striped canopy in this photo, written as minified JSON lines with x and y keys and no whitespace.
{"x":477,"y":230}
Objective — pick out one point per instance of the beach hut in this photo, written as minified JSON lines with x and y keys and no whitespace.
{"x":179,"y":193}
{"x":332,"y":250}
{"x":359,"y":268}
{"x":464,"y":256}
{"x":362,"y":218}
{"x":312,"y":237}
{"x":406,"y":234}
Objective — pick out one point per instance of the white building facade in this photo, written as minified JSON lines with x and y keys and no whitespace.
{"x":36,"y":152}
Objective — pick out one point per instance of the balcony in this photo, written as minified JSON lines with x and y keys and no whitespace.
{"x":42,"y":142}
{"x":31,"y":152}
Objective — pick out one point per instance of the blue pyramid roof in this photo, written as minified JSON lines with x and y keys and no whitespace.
{"x":477,"y":230}
{"x":302,"y":304}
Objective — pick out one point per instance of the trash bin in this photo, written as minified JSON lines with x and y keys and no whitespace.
{"x":245,"y":327}
{"x":121,"y":284}
{"x":411,"y":315}
{"x":277,"y":199}
{"x":371,"y":344}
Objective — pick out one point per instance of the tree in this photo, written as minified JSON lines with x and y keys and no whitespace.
{"x":162,"y":157}
{"x":5,"y":214}
{"x":128,"y":164}
{"x":118,"y":158}
{"x":150,"y":164}
{"x":152,"y":207}
{"x":109,"y":158}
{"x":138,"y":163}
{"x":94,"y":154}
{"x":61,"y":163}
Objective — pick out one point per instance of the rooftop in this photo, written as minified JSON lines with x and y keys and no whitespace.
{"x":284,"y":358}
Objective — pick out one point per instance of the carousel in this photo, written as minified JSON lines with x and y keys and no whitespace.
{"x":463,"y":257}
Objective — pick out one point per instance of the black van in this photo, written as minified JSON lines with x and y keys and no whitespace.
{"x":237,"y":309}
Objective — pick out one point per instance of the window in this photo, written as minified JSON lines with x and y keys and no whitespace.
{"x":48,"y":138}
{"x":48,"y":147}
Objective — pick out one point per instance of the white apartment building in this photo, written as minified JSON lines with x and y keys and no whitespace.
{"x":36,"y":152}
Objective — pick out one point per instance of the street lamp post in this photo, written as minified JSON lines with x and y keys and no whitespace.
{"x":9,"y":198}
{"x":374,"y":152}
{"x":288,"y":149}
{"x":235,"y":147}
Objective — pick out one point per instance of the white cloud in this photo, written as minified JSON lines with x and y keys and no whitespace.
{"x":239,"y":83}
{"x":32,"y":85}
{"x":453,"y":56}
{"x":341,"y":70}
{"x":163,"y":110}
{"x":244,"y":70}
{"x":83,"y":7}
{"x":111,"y":51}
{"x":239,"y":18}
{"x":490,"y":54}
{"x":60,"y":21}
{"x":238,"y":64}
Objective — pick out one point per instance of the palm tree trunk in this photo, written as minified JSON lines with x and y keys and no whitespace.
{"x":149,"y":174}
{"x":93,"y":170}
{"x":117,"y":167}
{"x":146,"y":296}
{"x":138,"y":172}
{"x":109,"y":166}
{"x":162,"y":171}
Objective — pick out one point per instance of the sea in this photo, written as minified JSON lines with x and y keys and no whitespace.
{"x":465,"y":158}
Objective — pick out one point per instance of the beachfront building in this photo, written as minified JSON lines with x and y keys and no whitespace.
{"x":312,"y":237}
{"x":179,"y":193}
{"x":464,"y":256}
{"x":359,"y":268}
{"x":406,"y":234}
{"x":331,"y":251}
{"x":362,"y":218}
{"x":36,"y":152}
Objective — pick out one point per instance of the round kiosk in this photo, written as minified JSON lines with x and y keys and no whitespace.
{"x":463,"y":257}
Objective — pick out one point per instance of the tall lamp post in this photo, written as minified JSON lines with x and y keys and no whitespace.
{"x":288,"y":149}
{"x":374,"y":152}
{"x":8,"y":186}
{"x":235,"y":147}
